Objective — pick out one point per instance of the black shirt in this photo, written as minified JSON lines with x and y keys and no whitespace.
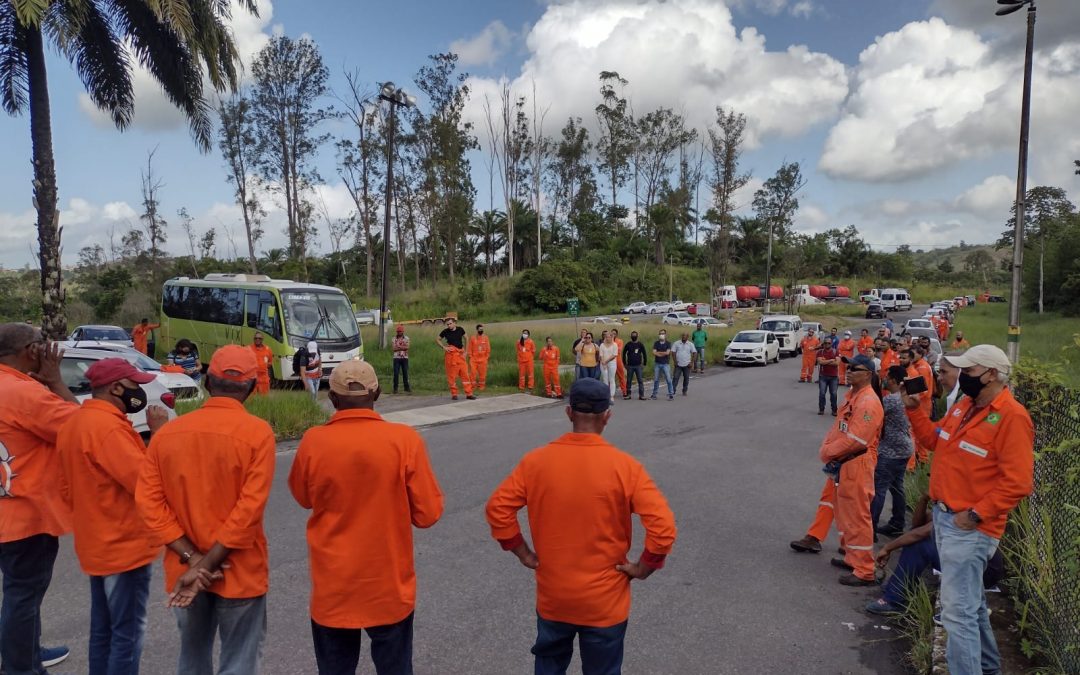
{"x":455,"y":337}
{"x":662,"y":346}
{"x":634,"y":354}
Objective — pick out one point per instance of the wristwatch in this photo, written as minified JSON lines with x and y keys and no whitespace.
{"x":186,"y":556}
{"x":975,"y":517}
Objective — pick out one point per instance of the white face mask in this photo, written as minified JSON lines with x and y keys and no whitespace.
{"x":663,"y":336}
{"x":525,"y":335}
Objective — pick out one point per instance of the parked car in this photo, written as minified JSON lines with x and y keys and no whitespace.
{"x":707,"y":322}
{"x":634,"y":308}
{"x":936,"y":311}
{"x":660,"y":308}
{"x":366,"y":317}
{"x":604,"y":320}
{"x":916,"y":323}
{"x":676,"y":318}
{"x":875,"y":310}
{"x":752,"y":346}
{"x":921,"y":332}
{"x":178,"y":383}
{"x":101,"y":334}
{"x":73,"y":369}
{"x":807,"y":326}
{"x":787,"y":328}
{"x":970,"y":299}
{"x":996,"y":298}
{"x":679,"y":306}
{"x":895,"y":300}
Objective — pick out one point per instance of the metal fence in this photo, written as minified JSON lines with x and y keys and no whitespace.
{"x":1043,"y":540}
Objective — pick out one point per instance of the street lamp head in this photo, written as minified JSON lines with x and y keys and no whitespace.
{"x":388,"y":90}
{"x":410,"y":101}
{"x":1011,"y":6}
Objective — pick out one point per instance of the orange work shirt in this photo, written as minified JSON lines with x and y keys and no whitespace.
{"x":888,"y":358}
{"x":580,"y":492}
{"x":983,"y":457}
{"x":140,"y":334}
{"x":809,"y":344}
{"x":847,"y":348}
{"x":264,"y":356}
{"x":550,"y":356}
{"x":922,"y":369}
{"x":866,"y":346}
{"x":101,"y":456}
{"x":207,"y":475}
{"x":367,"y":483}
{"x":958,"y":344}
{"x":858,"y":426}
{"x":525,"y":352}
{"x":30,"y":416}
{"x":479,"y":348}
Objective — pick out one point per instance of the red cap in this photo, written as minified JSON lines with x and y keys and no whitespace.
{"x":233,"y":362}
{"x":107,"y":371}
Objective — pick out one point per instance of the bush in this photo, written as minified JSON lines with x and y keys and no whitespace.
{"x":546,"y":288}
{"x":289,"y":413}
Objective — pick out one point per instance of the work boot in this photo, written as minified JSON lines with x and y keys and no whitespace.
{"x":807,"y":544}
{"x":852,"y":580}
{"x":470,"y":397}
{"x":839,"y":562}
{"x":641,"y":397}
{"x":454,"y":397}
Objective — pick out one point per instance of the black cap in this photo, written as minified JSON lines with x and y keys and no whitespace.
{"x":588,"y":395}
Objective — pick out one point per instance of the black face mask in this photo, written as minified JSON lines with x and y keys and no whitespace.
{"x":480,"y":332}
{"x":134,"y":399}
{"x":971,"y":385}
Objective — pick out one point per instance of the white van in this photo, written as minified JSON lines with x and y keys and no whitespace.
{"x":787,"y":328}
{"x":895,"y":300}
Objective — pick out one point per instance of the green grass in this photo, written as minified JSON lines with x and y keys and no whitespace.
{"x":917,"y":626}
{"x":289,"y":413}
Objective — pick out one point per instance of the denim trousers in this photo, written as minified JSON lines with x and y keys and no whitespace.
{"x":700,"y":363}
{"x":889,"y":478}
{"x":337,"y":650}
{"x":631,"y":373}
{"x":914,"y":559}
{"x":665,"y":370}
{"x":971,"y":648}
{"x":684,"y":373}
{"x":239,"y":622}
{"x":118,"y":621}
{"x":312,"y":385}
{"x":401,"y":367}
{"x":826,"y":383}
{"x":601,"y":648}
{"x":27,"y":566}
{"x":590,"y":371}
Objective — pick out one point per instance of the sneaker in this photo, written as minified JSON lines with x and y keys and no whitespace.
{"x":821,"y":412}
{"x":839,"y":562}
{"x":883,"y":607}
{"x":889,"y":531}
{"x":671,"y":397}
{"x":641,"y":398}
{"x":841,"y":551}
{"x":627,"y":398}
{"x":937,"y":619}
{"x":470,"y":397}
{"x":453,"y":398}
{"x":807,"y":544}
{"x":653,"y":397}
{"x":852,"y":580}
{"x":50,"y":656}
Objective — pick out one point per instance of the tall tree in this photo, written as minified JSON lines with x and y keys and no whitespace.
{"x":776,"y":203}
{"x":154,"y":224}
{"x":236,"y":141}
{"x":181,"y":43}
{"x":615,"y":146}
{"x":1046,"y":211}
{"x":512,"y":154}
{"x":725,"y":150}
{"x":359,"y":165}
{"x":289,"y":83}
{"x":541,"y":146}
{"x":570,"y":179}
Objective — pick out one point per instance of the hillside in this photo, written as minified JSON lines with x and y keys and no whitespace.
{"x":956,"y":255}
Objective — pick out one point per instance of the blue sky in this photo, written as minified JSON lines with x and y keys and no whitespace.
{"x":903,"y":115}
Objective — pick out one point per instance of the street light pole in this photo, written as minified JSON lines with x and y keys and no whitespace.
{"x":1012,"y":347}
{"x":395,"y":97}
{"x":768,"y":271}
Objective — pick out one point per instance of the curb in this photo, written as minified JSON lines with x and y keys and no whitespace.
{"x":448,"y":413}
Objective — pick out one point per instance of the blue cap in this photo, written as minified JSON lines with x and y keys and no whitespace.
{"x":588,"y":395}
{"x":860,"y":360}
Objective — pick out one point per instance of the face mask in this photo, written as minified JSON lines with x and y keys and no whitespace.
{"x":480,"y":331}
{"x":663,"y":336}
{"x":971,"y":385}
{"x":633,"y":336}
{"x":524,"y":336}
{"x":134,"y":399}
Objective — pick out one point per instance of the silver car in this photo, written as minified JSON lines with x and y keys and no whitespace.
{"x":178,"y":383}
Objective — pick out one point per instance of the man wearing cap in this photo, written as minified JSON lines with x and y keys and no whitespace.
{"x":100,"y":456}
{"x":452,"y":341}
{"x":140,"y":335}
{"x":809,"y":346}
{"x":400,"y":347}
{"x":34,"y":403}
{"x":849,"y":453}
{"x":360,"y":545}
{"x":202,"y":491}
{"x":846,"y":348}
{"x":479,"y":354}
{"x":264,"y":359}
{"x":580,"y":492}
{"x":982,"y":468}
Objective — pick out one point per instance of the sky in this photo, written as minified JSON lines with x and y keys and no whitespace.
{"x":903,"y":115}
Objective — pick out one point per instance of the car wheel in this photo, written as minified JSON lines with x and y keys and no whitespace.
{"x":776,"y":359}
{"x":727,"y":363}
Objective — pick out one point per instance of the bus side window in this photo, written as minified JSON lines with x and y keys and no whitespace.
{"x":267,"y":323}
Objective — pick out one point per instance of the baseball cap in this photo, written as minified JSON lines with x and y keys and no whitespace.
{"x":353,"y":378}
{"x":847,"y":333}
{"x":861,"y":360}
{"x":234,"y":363}
{"x":987,"y":356}
{"x":107,"y":371}
{"x":399,"y":329}
{"x":588,"y":395}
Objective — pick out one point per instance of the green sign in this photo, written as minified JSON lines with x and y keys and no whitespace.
{"x":573,"y":306}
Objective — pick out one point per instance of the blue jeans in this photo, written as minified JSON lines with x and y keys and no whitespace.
{"x":241,"y":624}
{"x":601,"y":648}
{"x":118,"y":621}
{"x":665,"y":370}
{"x":826,"y":383}
{"x":889,"y":477}
{"x":589,"y":371}
{"x":27,"y":565}
{"x":700,"y":358}
{"x":337,"y":650}
{"x":971,"y":648}
{"x":631,"y":373}
{"x":684,"y":373}
{"x":312,"y":385}
{"x":401,"y":367}
{"x":914,"y":559}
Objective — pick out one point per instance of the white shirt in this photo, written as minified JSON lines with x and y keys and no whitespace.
{"x":683,"y":352}
{"x":608,"y":351}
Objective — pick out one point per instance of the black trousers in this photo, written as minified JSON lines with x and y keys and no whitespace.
{"x":402,"y":366}
{"x":337,"y":650}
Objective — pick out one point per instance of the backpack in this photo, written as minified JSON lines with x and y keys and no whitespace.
{"x":300,"y":360}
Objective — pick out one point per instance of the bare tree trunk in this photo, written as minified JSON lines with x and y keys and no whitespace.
{"x":365,"y":215}
{"x":1042,"y":256}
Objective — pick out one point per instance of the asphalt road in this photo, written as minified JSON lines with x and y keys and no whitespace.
{"x":737,"y":460}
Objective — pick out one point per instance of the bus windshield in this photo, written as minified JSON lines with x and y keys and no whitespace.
{"x":319,"y":315}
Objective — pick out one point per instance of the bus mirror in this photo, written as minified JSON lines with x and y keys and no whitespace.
{"x":271,"y":312}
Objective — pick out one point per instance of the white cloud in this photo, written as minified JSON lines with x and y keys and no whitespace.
{"x":683,"y":54}
{"x":484,"y":48}
{"x":991,"y":198}
{"x":799,"y":8}
{"x":1059,"y":21}
{"x":811,"y":218}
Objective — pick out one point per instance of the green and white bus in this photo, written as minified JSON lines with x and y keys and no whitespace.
{"x":227,"y":309}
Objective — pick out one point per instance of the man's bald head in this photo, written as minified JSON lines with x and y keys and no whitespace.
{"x":15,"y":336}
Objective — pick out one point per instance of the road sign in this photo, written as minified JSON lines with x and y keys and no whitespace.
{"x":573,"y":306}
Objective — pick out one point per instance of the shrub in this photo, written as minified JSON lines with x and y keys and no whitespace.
{"x":547,"y":287}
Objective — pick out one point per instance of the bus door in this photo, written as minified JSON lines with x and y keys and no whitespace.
{"x":263,"y":316}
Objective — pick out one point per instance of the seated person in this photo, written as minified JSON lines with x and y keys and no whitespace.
{"x":186,"y":356}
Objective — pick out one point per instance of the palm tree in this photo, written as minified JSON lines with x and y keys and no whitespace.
{"x":179,"y":41}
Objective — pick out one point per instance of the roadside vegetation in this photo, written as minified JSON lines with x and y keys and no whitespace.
{"x":289,"y":413}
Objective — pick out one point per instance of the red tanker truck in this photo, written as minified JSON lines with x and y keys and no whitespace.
{"x":746,"y":296}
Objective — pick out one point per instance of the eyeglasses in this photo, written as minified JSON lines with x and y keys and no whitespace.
{"x":856,"y":369}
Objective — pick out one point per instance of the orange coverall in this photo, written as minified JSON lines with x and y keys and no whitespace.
{"x":140,"y":335}
{"x":866,"y":346}
{"x":858,"y":427}
{"x":922,"y":369}
{"x":620,"y":368}
{"x":888,"y":358}
{"x":263,"y":357}
{"x":454,"y":362}
{"x":809,"y":346}
{"x":550,"y":356}
{"x":479,"y":351}
{"x":847,"y":348}
{"x":526,"y":360}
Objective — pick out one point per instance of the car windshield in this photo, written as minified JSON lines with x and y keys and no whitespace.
{"x":750,"y":337}
{"x":104,"y":334}
{"x":142,"y":361}
{"x":319,"y":315}
{"x":776,"y":326}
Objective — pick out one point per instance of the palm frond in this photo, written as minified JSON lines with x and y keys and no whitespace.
{"x":30,"y":12}
{"x":14,"y":73}
{"x":215,"y":45}
{"x":177,"y":15}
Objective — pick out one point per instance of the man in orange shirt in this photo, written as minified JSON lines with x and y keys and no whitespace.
{"x":959,"y":344}
{"x":140,"y":335}
{"x":202,"y":491}
{"x":101,"y":455}
{"x":866,"y":343}
{"x":912,"y":360}
{"x":452,"y":341}
{"x":847,"y":350}
{"x":620,"y":367}
{"x":550,"y":357}
{"x":479,"y":352}
{"x":983,"y":467}
{"x":360,"y":544}
{"x":34,"y":403}
{"x":580,"y":492}
{"x":888,"y":358}
{"x":264,"y":359}
{"x":809,"y":347}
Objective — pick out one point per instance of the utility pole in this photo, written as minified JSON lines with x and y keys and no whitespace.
{"x":395,"y":97}
{"x":768,"y":270}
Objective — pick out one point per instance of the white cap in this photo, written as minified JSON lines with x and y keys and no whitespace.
{"x":987,"y":356}
{"x":847,"y":333}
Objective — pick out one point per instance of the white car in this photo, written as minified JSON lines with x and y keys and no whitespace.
{"x":634,"y":308}
{"x":178,"y":383}
{"x":916,"y":323}
{"x":679,"y":306}
{"x":706,"y":322}
{"x":660,"y":308}
{"x":604,"y":320}
{"x":677,"y":319}
{"x":73,"y":369}
{"x":752,"y":346}
{"x":788,"y":331}
{"x":114,"y":334}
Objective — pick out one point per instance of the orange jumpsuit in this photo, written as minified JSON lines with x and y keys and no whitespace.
{"x":620,"y":368}
{"x":847,"y":348}
{"x":550,"y":357}
{"x":809,"y":346}
{"x":857,"y":428}
{"x":922,"y":369}
{"x":888,"y":358}
{"x":866,"y":346}
{"x":140,"y":335}
{"x":263,"y":357}
{"x":526,"y":360}
{"x":454,"y":362}
{"x":943,"y":330}
{"x":479,"y":351}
